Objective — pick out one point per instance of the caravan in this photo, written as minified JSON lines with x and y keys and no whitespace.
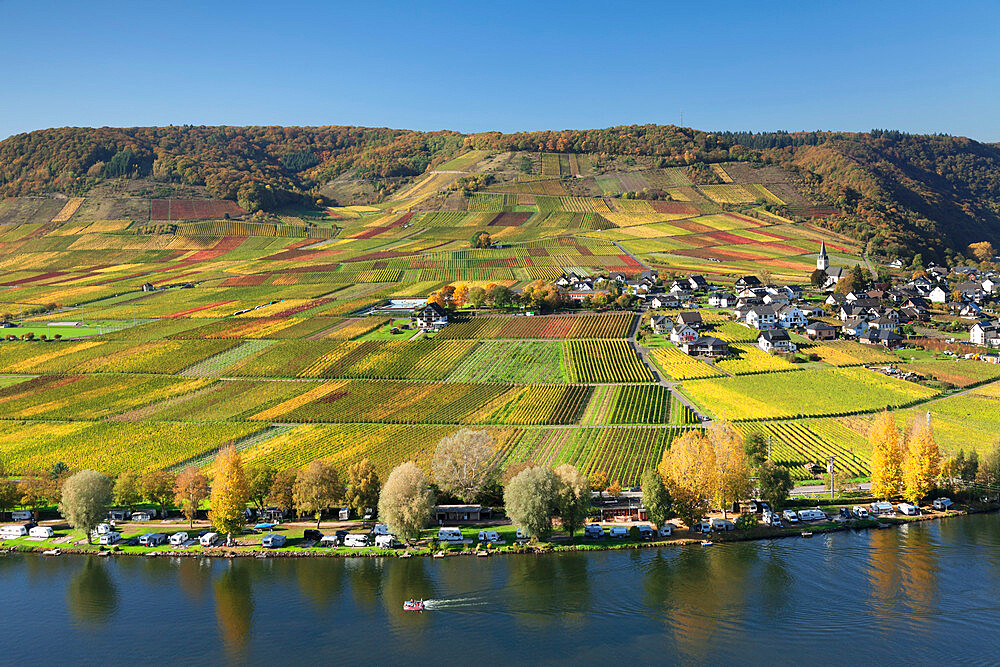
{"x":618,"y":532}
{"x":12,"y":532}
{"x":152,"y":539}
{"x":356,"y":540}
{"x":107,"y":539}
{"x":593,"y":531}
{"x":45,"y":532}
{"x":208,"y":539}
{"x":387,"y":542}
{"x":272,"y":541}
{"x":449,"y":535}
{"x":908,"y":509}
{"x":490,"y":536}
{"x":812,"y":515}
{"x":21,"y":515}
{"x":882,"y":507}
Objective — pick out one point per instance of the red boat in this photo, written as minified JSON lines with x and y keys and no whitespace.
{"x":413,"y":605}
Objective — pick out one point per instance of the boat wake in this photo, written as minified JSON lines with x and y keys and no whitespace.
{"x":454,"y":603}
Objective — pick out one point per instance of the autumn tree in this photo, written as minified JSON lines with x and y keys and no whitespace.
{"x":281,"y":493}
{"x":887,"y":456}
{"x":983,"y":251}
{"x":688,"y":469}
{"x":229,"y":493}
{"x":363,"y":487}
{"x":158,"y":488}
{"x":406,"y":501}
{"x":86,"y":497}
{"x":316,"y":488}
{"x":989,"y":467}
{"x":463,"y":463}
{"x":572,"y":497}
{"x":190,"y":490}
{"x":599,"y":482}
{"x":260,"y":477}
{"x":33,"y":489}
{"x":923,"y":460}
{"x":656,"y":498}
{"x":129,"y":489}
{"x":481,"y":240}
{"x":461,"y":296}
{"x":530,"y":499}
{"x":8,"y":490}
{"x":732,"y":476}
{"x":477,"y":297}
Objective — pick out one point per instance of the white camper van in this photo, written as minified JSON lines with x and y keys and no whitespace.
{"x":449,"y":535}
{"x":489,"y":536}
{"x":42,"y":531}
{"x":356,"y":540}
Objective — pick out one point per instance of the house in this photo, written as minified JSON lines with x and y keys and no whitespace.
{"x":457,"y":513}
{"x":835,"y":300}
{"x":883,"y":324}
{"x":896,"y":264}
{"x":706,"y":346}
{"x":661,"y":324}
{"x":697,"y":283}
{"x":430,"y":317}
{"x":884,"y":337}
{"x":775,"y":340}
{"x":971,"y":311}
{"x":985,"y":333}
{"x":761,"y":318}
{"x":691,"y":319}
{"x":747,"y":282}
{"x":618,"y":277}
{"x":776,"y":297}
{"x":821,"y":331}
{"x":722,"y":300}
{"x":855,"y":327}
{"x":664,"y":301}
{"x":833,"y":276}
{"x":148,"y":287}
{"x":791,"y":317}
{"x":682,"y":333}
{"x":990,"y":285}
{"x":938,"y":295}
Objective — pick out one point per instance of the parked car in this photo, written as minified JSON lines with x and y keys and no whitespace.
{"x":312,"y":534}
{"x":666,"y":529}
{"x":860,"y":512}
{"x":273,"y":541}
{"x":704,"y":526}
{"x":790,"y":516}
{"x":177,"y":539}
{"x":943,"y":504}
{"x":645,"y":532}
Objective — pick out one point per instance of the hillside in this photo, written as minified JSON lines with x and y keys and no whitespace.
{"x":899,"y":194}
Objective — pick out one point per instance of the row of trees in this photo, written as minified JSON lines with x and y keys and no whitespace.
{"x":903,"y":463}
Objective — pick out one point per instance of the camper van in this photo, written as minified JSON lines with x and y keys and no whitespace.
{"x":208,"y":539}
{"x":329,"y":541}
{"x":41,"y":531}
{"x":152,"y":539}
{"x":943,"y":504}
{"x":177,"y":539}
{"x":593,"y":531}
{"x":21,"y":515}
{"x":272,"y":541}
{"x":882,"y":507}
{"x":102,"y":528}
{"x":618,"y":532}
{"x":790,"y":516}
{"x":12,"y":532}
{"x":356,"y":540}
{"x":380,"y":529}
{"x":107,"y":539}
{"x":387,"y":542}
{"x":859,"y":512}
{"x":908,"y":509}
{"x":489,"y":536}
{"x":722,"y":525}
{"x":812,"y":515}
{"x":143,"y":515}
{"x":521,"y":534}
{"x":449,"y":535}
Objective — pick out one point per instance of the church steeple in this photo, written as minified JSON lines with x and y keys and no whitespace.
{"x":823,"y":261}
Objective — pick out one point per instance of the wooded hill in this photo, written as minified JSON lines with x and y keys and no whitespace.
{"x":902,"y":194}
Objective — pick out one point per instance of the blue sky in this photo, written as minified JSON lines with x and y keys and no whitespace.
{"x":914,"y":66}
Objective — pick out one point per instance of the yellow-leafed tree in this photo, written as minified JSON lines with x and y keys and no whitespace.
{"x":689,"y":472}
{"x":732,"y":480}
{"x":923,"y":460}
{"x":887,"y":456}
{"x":229,"y":493}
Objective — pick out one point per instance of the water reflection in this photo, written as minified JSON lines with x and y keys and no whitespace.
{"x":406,"y":579}
{"x":920,"y":572}
{"x":550,"y":590}
{"x":365,"y":575}
{"x":321,"y":584}
{"x":193,"y":576}
{"x":234,"y":604}
{"x":91,"y":594}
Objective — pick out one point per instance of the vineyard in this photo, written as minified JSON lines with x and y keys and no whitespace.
{"x":609,"y":325}
{"x":795,"y":445}
{"x":604,"y":361}
{"x":679,"y":366}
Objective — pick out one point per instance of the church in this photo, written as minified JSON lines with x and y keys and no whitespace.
{"x":833,"y":273}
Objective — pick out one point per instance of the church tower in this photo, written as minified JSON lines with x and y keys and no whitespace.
{"x":823,"y":261}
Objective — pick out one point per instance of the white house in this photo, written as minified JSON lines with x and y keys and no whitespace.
{"x":791,"y":317}
{"x":682,"y":333}
{"x":722,"y":300}
{"x":661,"y":324}
{"x":761,"y":318}
{"x":430,"y":316}
{"x":938,"y":295}
{"x":775,"y":340}
{"x":985,"y":333}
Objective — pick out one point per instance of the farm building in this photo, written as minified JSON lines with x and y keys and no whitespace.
{"x":458,"y":513}
{"x":430,"y":317}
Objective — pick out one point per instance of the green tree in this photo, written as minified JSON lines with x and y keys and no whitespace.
{"x":481,"y":240}
{"x":259,"y":480}
{"x":406,"y":501}
{"x":463,"y":462}
{"x":755,"y":445}
{"x":317,"y":487}
{"x":817,"y":278}
{"x":656,"y":498}
{"x":530,"y":499}
{"x":129,"y":489}
{"x":477,"y":297}
{"x":363,"y":487}
{"x":86,"y":497}
{"x":775,"y":483}
{"x":281,"y":494}
{"x":158,"y":488}
{"x":572,"y":497}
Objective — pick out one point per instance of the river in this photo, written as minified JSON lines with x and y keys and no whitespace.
{"x":922,"y":594}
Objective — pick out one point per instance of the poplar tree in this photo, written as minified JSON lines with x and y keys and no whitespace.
{"x":229,"y":493}
{"x":688,"y":469}
{"x":923,"y":461}
{"x":86,"y":496}
{"x":887,"y":456}
{"x":190,"y":489}
{"x":572,"y":497}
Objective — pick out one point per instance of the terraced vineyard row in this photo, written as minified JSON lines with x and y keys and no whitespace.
{"x":604,"y":326}
{"x":604,"y":361}
{"x":794,"y":445}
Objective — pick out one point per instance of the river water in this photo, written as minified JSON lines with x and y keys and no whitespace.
{"x":922,"y":594}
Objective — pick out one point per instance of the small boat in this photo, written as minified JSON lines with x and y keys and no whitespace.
{"x":482,"y":554}
{"x":413,"y":605}
{"x":806,"y":533}
{"x":52,"y":552}
{"x":706,"y":543}
{"x":406,"y":554}
{"x":439,"y":554}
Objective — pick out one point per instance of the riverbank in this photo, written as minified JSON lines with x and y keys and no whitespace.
{"x":299,"y":547}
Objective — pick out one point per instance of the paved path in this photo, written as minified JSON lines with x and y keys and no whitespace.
{"x":643,"y":353}
{"x":636,"y":259}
